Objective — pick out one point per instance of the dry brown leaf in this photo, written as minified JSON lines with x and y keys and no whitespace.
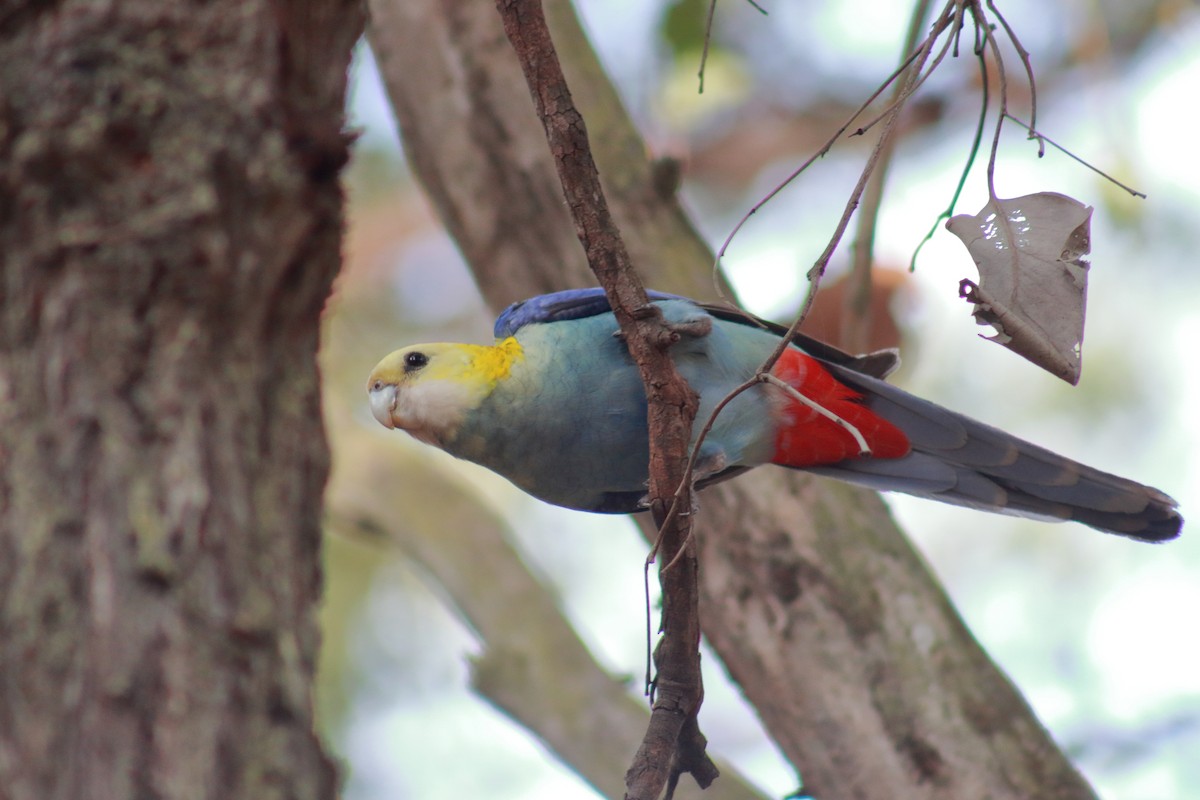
{"x":1032,"y":276}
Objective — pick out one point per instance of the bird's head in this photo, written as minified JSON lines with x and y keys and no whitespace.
{"x":426,"y":389}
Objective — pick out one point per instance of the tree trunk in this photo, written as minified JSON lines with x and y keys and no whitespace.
{"x":818,"y":605}
{"x":170,"y":220}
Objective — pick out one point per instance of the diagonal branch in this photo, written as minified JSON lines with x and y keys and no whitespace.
{"x":673,"y":743}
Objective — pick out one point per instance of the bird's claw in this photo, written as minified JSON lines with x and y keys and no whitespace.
{"x":695,"y":327}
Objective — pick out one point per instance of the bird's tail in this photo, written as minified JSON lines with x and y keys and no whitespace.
{"x":955,"y":459}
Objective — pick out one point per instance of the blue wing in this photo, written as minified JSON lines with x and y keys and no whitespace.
{"x":579,"y":303}
{"x":560,"y":306}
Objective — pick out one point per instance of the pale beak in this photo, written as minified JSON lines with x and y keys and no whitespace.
{"x":383,"y":402}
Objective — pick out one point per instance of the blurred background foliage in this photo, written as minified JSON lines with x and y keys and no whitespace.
{"x":1102,"y":635}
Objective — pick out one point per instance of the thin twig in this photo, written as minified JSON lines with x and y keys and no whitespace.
{"x":649,"y":625}
{"x":1044,"y":138}
{"x":818,"y":268}
{"x":976,"y":142}
{"x":1023,"y":54}
{"x":864,"y":449}
{"x":958,"y":29}
{"x":708,"y":25}
{"x":682,"y":492}
{"x":856,"y":321}
{"x":825,"y":148}
{"x":983,"y":28}
{"x":911,"y":87}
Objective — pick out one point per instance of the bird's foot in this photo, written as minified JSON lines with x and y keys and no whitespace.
{"x":694,"y":327}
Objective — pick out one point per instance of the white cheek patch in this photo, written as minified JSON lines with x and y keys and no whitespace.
{"x":429,"y":410}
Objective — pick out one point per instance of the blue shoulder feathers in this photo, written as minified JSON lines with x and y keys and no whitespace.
{"x":559,"y":307}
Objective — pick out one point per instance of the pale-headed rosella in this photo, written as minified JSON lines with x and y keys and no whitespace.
{"x":557,"y":406}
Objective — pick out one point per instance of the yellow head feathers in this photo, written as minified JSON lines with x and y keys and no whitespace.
{"x":425,"y":389}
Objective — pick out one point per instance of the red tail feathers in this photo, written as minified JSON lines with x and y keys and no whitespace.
{"x":807,"y":439}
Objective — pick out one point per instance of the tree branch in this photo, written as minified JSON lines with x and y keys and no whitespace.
{"x":168,"y":245}
{"x":673,"y":743}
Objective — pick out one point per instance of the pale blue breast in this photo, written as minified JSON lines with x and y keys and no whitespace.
{"x":569,"y":424}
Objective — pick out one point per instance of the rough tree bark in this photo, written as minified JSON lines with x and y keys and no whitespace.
{"x":818,"y":605}
{"x":170,"y":220}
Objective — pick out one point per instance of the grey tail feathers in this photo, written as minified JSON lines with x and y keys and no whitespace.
{"x":957,"y":460}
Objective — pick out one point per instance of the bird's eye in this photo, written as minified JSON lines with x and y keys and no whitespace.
{"x":414,"y":361}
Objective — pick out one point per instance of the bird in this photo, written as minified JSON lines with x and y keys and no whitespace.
{"x":557,"y":406}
